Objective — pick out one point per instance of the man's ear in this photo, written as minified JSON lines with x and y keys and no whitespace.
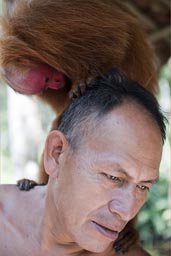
{"x":56,"y":144}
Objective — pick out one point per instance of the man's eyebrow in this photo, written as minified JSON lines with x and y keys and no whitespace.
{"x":150,"y":181}
{"x":120,"y":169}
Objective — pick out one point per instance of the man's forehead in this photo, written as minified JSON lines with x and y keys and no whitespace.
{"x":126,"y":127}
{"x":127,"y":108}
{"x":129,"y":114}
{"x":125,"y":130}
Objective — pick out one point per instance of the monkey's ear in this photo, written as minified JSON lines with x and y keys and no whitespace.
{"x":56,"y":144}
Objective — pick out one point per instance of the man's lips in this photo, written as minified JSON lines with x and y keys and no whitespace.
{"x":111,"y":234}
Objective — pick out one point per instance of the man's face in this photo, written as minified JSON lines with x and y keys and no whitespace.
{"x":104,"y":184}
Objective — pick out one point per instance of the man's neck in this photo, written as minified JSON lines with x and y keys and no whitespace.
{"x":71,"y":250}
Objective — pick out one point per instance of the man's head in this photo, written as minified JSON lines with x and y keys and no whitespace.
{"x":103,"y":159}
{"x":101,"y":97}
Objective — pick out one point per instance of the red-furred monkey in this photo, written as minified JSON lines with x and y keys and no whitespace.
{"x":48,"y":47}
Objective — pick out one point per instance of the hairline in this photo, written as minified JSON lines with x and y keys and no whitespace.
{"x":95,"y":118}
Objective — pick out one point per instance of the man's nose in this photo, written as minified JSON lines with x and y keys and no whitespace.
{"x":125,"y":203}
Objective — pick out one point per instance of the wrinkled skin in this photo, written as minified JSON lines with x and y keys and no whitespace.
{"x":92,"y":193}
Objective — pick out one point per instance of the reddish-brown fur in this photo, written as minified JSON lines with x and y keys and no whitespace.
{"x":82,"y":39}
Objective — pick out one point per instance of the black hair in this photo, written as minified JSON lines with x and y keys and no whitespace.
{"x":101,"y":96}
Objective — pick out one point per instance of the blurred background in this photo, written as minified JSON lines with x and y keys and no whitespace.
{"x":25,"y":122}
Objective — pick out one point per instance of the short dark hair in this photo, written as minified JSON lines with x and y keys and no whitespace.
{"x":101,"y":96}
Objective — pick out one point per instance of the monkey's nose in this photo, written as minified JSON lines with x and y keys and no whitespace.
{"x":56,"y":81}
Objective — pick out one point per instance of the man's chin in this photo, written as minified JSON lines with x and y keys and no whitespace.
{"x":95,"y":245}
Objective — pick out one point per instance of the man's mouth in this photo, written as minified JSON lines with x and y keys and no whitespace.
{"x":111,"y":234}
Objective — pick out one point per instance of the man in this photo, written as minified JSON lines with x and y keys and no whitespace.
{"x":102,"y":161}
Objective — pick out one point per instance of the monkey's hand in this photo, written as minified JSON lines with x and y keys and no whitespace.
{"x":79,"y":91}
{"x":127,"y":239}
{"x":26,"y":184}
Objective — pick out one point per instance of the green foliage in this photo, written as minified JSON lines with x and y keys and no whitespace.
{"x":4,"y":120}
{"x":165,"y":72}
{"x":154,"y":216}
{"x":154,"y":222}
{"x":5,"y":161}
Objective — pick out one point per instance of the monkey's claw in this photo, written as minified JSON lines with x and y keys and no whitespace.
{"x":79,"y":91}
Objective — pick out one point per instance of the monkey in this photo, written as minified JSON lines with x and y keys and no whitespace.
{"x":49,"y":47}
{"x":36,"y":59}
{"x":79,"y":41}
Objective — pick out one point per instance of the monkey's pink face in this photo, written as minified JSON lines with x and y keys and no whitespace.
{"x":34,"y":79}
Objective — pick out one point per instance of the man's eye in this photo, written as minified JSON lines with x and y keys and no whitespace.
{"x":113,"y":178}
{"x":143,"y":188}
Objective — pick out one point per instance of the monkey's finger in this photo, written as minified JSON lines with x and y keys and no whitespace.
{"x":26,"y":184}
{"x":79,"y":91}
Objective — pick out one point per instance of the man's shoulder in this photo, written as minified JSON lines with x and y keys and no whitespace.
{"x":9,"y":202}
{"x":8,"y":187}
{"x":11,"y":197}
{"x":18,"y":215}
{"x":8,"y":193}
